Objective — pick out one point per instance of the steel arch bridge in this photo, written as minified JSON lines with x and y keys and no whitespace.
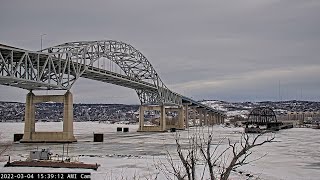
{"x":262,"y":116}
{"x":59,"y":67}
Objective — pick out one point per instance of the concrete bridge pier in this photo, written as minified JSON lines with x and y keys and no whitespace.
{"x":186,"y":114}
{"x":161,"y":127}
{"x":182,"y":120}
{"x":29,"y":118}
{"x":141,"y":118}
{"x":201,"y":116}
{"x":193,"y":115}
{"x":31,"y":136}
{"x":164,"y":123}
{"x":176,"y":122}
{"x":213,"y":119}
{"x":199,"y":112}
{"x":216,"y":119}
{"x":163,"y":119}
{"x":205,"y":117}
{"x":222,"y":119}
{"x":210,"y":119}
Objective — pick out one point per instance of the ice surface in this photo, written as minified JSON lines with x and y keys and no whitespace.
{"x":295,"y":155}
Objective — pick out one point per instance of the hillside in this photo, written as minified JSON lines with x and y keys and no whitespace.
{"x":13,"y":111}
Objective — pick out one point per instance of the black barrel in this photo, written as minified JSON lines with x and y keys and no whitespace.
{"x":119,"y":129}
{"x":17,"y":137}
{"x":97,"y":137}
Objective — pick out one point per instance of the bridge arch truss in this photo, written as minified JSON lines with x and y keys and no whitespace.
{"x":262,"y":116}
{"x":136,"y":67}
{"x":60,"y":66}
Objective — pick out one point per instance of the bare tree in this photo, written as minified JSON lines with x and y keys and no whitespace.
{"x":241,"y":151}
{"x":217,"y":162}
{"x":185,"y":168}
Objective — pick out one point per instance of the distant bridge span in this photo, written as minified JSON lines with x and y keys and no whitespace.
{"x":59,"y":67}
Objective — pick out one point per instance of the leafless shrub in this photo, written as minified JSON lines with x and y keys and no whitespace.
{"x":216,"y":161}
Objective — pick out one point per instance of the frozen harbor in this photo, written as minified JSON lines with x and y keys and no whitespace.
{"x":294,"y":155}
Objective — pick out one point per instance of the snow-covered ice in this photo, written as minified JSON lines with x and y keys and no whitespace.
{"x":295,"y":155}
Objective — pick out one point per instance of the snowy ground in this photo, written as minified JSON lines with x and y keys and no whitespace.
{"x":295,"y":155}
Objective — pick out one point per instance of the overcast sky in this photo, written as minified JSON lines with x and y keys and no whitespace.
{"x":225,"y":50}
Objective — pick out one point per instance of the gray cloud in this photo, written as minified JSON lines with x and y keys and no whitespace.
{"x":232,"y":50}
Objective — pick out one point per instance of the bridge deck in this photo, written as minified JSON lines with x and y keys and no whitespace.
{"x":117,"y":79}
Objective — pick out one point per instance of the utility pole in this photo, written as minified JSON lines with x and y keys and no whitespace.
{"x":280,"y":98}
{"x":41,"y":41}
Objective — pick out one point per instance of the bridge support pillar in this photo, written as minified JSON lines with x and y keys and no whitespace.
{"x":222,"y":119}
{"x":219,"y":119}
{"x":186,"y":115}
{"x":68,"y":116}
{"x":209,"y":119}
{"x":195,"y":113}
{"x":205,"y":118}
{"x":29,"y":117}
{"x":213,"y":119}
{"x":141,"y":118}
{"x":181,"y":118}
{"x":201,"y":116}
{"x":216,"y":119}
{"x":163,"y":119}
{"x":31,"y":136}
{"x":162,"y":126}
{"x":176,"y":121}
